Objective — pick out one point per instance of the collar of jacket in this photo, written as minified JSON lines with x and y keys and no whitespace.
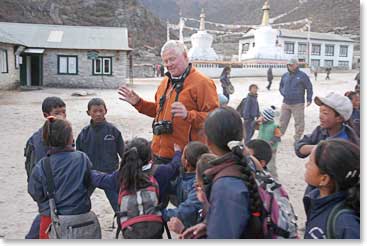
{"x":316,"y":202}
{"x":99,"y":124}
{"x":55,"y":150}
{"x":252,"y":95}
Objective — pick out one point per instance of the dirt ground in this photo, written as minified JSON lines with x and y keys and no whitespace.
{"x":21,"y":115}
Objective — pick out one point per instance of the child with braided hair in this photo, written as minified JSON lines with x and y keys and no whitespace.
{"x":333,"y":208}
{"x":234,"y":202}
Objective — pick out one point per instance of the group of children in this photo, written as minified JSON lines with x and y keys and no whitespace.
{"x":212,"y":186}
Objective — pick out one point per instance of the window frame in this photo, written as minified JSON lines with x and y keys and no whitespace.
{"x":6,"y":61}
{"x":340,"y":49}
{"x":102,"y":67}
{"x":67,"y":64}
{"x":332,"y":63}
{"x":312,"y":49}
{"x":286,"y":45}
{"x":303,"y":45}
{"x":326,"y":49}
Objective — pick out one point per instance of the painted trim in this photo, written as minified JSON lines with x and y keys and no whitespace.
{"x":67,"y":65}
{"x":6,"y":61}
{"x":102,"y":66}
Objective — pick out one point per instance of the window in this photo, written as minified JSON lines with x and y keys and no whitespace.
{"x":343,"y":64}
{"x":289,"y":48}
{"x":328,"y":63}
{"x":245,"y":48}
{"x":315,"y":63}
{"x":316,"y":49}
{"x":343,"y":51}
{"x":3,"y":61}
{"x":102,"y":66}
{"x":329,"y":50}
{"x":67,"y":65}
{"x":302,"y":49}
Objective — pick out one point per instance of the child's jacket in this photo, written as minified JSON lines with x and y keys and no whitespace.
{"x":102,"y":143}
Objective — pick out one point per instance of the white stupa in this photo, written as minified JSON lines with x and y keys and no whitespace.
{"x":265,"y":38}
{"x":202,"y":44}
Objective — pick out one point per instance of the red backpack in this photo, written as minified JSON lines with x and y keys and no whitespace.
{"x":140,"y":215}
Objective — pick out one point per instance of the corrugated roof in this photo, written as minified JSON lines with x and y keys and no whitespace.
{"x":7,"y":38}
{"x":67,"y":37}
{"x":303,"y":35}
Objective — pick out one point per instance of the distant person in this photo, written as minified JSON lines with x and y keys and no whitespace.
{"x":158,"y":69}
{"x":102,"y":142}
{"x":251,"y":112}
{"x":154,"y":71}
{"x":182,"y":102}
{"x":333,"y":207}
{"x":328,"y":71}
{"x":270,"y":77}
{"x":357,"y":78}
{"x":293,"y":86}
{"x":314,"y":69}
{"x":225,"y":82}
{"x":36,"y":148}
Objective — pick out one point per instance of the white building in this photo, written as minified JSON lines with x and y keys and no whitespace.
{"x":327,"y":50}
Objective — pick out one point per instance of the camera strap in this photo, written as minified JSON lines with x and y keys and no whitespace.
{"x":177,"y":84}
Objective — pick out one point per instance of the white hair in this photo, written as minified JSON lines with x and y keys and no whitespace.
{"x":177,"y":45}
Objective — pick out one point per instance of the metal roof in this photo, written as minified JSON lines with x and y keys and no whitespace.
{"x":303,"y":35}
{"x":66,"y":37}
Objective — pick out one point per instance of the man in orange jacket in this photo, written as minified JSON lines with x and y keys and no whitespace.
{"x":182,"y":102}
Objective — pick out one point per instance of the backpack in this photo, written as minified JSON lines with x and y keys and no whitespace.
{"x":241,"y":106}
{"x":140,"y":215}
{"x":30,"y":157}
{"x":278,"y":217}
{"x":339,"y":209}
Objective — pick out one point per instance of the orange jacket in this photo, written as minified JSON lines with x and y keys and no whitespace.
{"x":199,"y":95}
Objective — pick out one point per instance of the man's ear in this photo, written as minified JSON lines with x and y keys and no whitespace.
{"x":87,"y":112}
{"x":263,"y":163}
{"x":46,"y":115}
{"x":339,"y":119}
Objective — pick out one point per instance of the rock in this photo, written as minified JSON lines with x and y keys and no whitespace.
{"x":82,"y":94}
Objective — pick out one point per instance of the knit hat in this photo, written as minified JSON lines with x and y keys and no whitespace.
{"x":339,"y":103}
{"x":268,"y":113}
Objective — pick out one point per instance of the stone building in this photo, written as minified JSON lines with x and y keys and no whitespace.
{"x":63,"y":56}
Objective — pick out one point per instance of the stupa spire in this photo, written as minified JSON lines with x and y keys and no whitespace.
{"x":266,"y":10}
{"x":202,"y":20}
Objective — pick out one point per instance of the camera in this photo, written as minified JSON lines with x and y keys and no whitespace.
{"x":162,"y":127}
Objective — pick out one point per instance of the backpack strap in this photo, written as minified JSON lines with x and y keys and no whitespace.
{"x":338,"y":209}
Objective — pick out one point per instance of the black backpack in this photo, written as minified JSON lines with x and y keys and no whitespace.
{"x":241,"y":106}
{"x":339,"y":209}
{"x":30,"y":157}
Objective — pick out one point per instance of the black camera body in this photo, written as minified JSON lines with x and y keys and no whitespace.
{"x":162,"y":127}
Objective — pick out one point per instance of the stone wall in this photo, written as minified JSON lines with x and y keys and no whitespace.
{"x":10,"y":79}
{"x":85,"y":77}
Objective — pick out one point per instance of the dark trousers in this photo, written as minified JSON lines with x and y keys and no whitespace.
{"x":270,"y":81}
{"x":249,"y":129}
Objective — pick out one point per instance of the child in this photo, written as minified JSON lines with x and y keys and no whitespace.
{"x":250,"y":112}
{"x":36,"y":149}
{"x":335,"y":109}
{"x":355,"y":118}
{"x":271,"y":133}
{"x":235,"y":206}
{"x":70,"y":171}
{"x":183,"y":188}
{"x":102,"y":142}
{"x":334,"y":168}
{"x":262,"y":151}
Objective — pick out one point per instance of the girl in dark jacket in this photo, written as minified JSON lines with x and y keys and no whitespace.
{"x":225,"y":82}
{"x":70,"y":172}
{"x":334,"y":168}
{"x":234,"y":203}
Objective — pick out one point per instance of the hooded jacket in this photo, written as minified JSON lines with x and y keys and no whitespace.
{"x":199,"y":95}
{"x":317,"y":212}
{"x":251,"y":108}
